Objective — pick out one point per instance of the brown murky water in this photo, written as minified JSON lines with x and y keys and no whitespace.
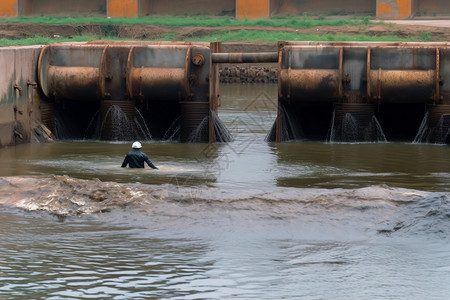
{"x":243,"y":220}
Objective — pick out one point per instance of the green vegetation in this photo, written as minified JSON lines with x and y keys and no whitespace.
{"x":44,"y":40}
{"x":425,"y":36}
{"x":253,"y":31}
{"x":274,"y":36}
{"x":229,"y":36}
{"x":292,"y":22}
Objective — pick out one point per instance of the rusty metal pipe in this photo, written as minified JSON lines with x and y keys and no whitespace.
{"x":76,"y":83}
{"x":402,"y":85}
{"x":309,"y":85}
{"x":158,"y":83}
{"x":262,"y":57}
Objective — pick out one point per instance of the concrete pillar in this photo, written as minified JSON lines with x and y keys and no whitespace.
{"x":394,"y":9}
{"x":8,"y":8}
{"x":252,"y":9}
{"x":122,"y":8}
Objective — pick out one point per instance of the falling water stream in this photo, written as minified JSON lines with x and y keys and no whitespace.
{"x":349,"y":130}
{"x":442,"y":130}
{"x":246,"y":219}
{"x":118,"y":127}
{"x":439,"y":134}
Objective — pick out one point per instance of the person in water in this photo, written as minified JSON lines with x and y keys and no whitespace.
{"x":136,"y":158}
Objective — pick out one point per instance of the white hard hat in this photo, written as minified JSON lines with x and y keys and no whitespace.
{"x":136,"y":145}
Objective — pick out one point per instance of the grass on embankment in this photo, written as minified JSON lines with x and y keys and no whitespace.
{"x":256,"y":35}
{"x":44,"y":40}
{"x":275,"y":36}
{"x":226,"y":36}
{"x":292,"y":22}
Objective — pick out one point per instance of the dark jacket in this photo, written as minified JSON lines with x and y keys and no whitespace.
{"x":136,"y":159}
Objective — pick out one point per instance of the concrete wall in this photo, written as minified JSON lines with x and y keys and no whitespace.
{"x":326,"y":7}
{"x":432,"y":8}
{"x":19,"y":107}
{"x":383,"y":9}
{"x":62,"y":7}
{"x":187,"y":7}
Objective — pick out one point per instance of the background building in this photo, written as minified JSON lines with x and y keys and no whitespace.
{"x":251,"y":9}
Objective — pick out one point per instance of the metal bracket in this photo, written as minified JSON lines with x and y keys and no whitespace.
{"x":18,"y":88}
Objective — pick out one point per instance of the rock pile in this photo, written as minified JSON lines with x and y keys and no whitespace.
{"x":248,"y":74}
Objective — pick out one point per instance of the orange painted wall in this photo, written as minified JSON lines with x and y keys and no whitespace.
{"x":252,"y":9}
{"x":8,"y":8}
{"x":122,"y":8}
{"x":394,"y":9}
{"x":404,"y":8}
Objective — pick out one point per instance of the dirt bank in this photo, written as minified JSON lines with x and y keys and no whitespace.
{"x":21,"y":30}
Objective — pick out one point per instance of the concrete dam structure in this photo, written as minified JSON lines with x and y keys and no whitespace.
{"x":336,"y":92}
{"x":351,"y":92}
{"x":107,"y":86}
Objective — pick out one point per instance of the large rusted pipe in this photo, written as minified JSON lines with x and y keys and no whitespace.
{"x":160,"y":77}
{"x":402,"y":85}
{"x":261,"y":57}
{"x":75,"y":83}
{"x":309,"y":85}
{"x":310,"y":73}
{"x":70,"y":71}
{"x":158,"y":83}
{"x":403,"y":74}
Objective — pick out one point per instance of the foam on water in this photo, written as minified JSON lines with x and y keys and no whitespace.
{"x":173,"y":241}
{"x":377,"y":209}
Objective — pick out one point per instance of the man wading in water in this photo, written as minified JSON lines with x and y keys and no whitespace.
{"x":136,"y":158}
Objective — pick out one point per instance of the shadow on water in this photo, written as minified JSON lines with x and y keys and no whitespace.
{"x":117,"y":125}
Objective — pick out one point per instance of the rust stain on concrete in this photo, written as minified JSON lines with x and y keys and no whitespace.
{"x":404,"y":8}
{"x":252,"y":9}
{"x":394,"y":9}
{"x":383,"y":8}
{"x":8,"y":8}
{"x":123,"y":9}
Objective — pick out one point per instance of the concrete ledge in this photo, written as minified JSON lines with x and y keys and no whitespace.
{"x":433,"y":23}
